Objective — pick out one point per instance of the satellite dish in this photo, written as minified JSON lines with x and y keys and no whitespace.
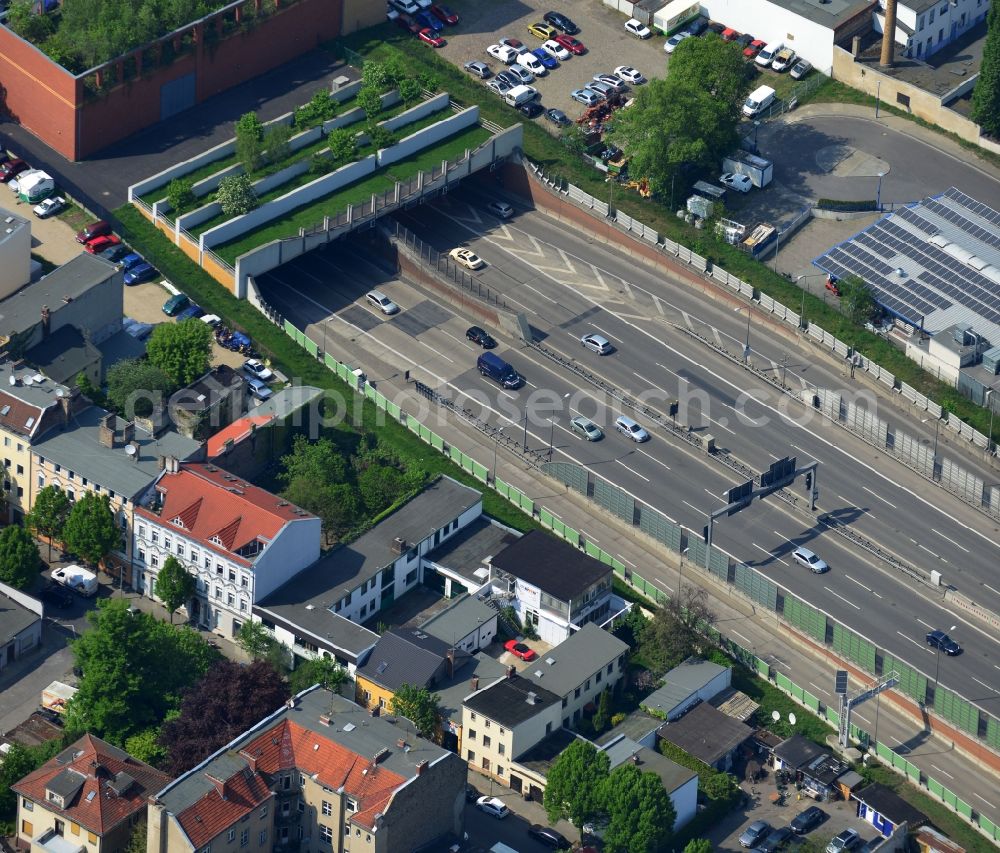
{"x":59,"y":392}
{"x":775,"y":715}
{"x":791,"y":719}
{"x":130,"y":449}
{"x":12,"y":379}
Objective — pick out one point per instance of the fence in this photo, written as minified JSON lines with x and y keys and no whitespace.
{"x":880,"y":434}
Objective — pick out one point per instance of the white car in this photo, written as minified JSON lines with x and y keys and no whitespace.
{"x":503,"y":53}
{"x":408,"y":6}
{"x":766,"y":56}
{"x":384,"y":304}
{"x":49,"y":206}
{"x":255,"y":367}
{"x":805,"y":557}
{"x":501,"y":209}
{"x":532,"y":63}
{"x":675,"y":40}
{"x":588,"y":97}
{"x":493,"y":806}
{"x":629,"y":74}
{"x":741,"y":183}
{"x":637,"y":29}
{"x":627,"y":426}
{"x":522,"y":74}
{"x":555,"y":50}
{"x":212,"y":320}
{"x":467,"y":258}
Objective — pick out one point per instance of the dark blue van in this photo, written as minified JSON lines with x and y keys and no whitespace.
{"x":493,"y":367}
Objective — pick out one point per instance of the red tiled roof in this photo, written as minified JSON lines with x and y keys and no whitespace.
{"x":237,"y":431}
{"x":207,"y":502}
{"x":223,"y":806}
{"x":94,"y":766}
{"x":17,"y":415}
{"x":290,"y":745}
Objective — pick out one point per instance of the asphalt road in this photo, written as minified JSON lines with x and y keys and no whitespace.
{"x":428,"y":339}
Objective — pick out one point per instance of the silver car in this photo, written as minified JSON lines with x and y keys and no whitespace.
{"x":586,"y":428}
{"x":499,"y":86}
{"x":755,"y":833}
{"x":602,"y":89}
{"x":479,"y":69}
{"x":626,"y":426}
{"x":379,"y":300}
{"x":522,"y":74}
{"x":805,"y":557}
{"x":597,"y":343}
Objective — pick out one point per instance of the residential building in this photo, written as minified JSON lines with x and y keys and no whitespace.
{"x":817,"y":768}
{"x":468,"y":624}
{"x":579,"y":669}
{"x":208,"y":404}
{"x":884,"y":809}
{"x":404,"y":656}
{"x":15,"y":252}
{"x":462,"y":562}
{"x":686,"y":685}
{"x":356,"y":580}
{"x":238,"y":540}
{"x":504,"y":720}
{"x":20,"y":624}
{"x":66,"y":354}
{"x":552,"y":586}
{"x":708,"y":735}
{"x":30,"y":406}
{"x":96,"y":451}
{"x":680,"y":783}
{"x":474,"y":671}
{"x":90,"y":797}
{"x":923,"y":27}
{"x":319,"y":773}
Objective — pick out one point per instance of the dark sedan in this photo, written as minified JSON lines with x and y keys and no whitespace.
{"x":778,"y":839}
{"x":548,"y":836}
{"x":481,"y":337}
{"x":557,"y":117}
{"x":11,"y":169}
{"x":808,"y":820}
{"x":940,"y":640}
{"x":560,"y":21}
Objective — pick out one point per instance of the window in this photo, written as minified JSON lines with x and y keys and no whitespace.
{"x":351,"y":805}
{"x":502,"y":748}
{"x":142,"y":556}
{"x":470,"y":757}
{"x":587,"y":685}
{"x":167,"y":542}
{"x":243,"y":605}
{"x":486,"y":764}
{"x":487,"y":742}
{"x":206,"y":849}
{"x":218,"y":568}
{"x":142,"y":531}
{"x":231,"y":600}
{"x":263,"y":810}
{"x":232,"y":575}
{"x":83,"y":480}
{"x":208,"y":562}
{"x":231,"y":835}
{"x":180,"y":549}
{"x":20,"y":470}
{"x":597,"y":678}
{"x":411,"y":577}
{"x":487,"y":723}
{"x":364,"y":610}
{"x":499,"y":770}
{"x":473,"y":715}
{"x":368,"y":696}
{"x":59,"y":467}
{"x":6,"y":463}
{"x":244,"y":581}
{"x":6,"y":441}
{"x":71,"y":475}
{"x":41,"y":481}
{"x":610,"y":667}
{"x":262,"y":837}
{"x":27,"y":805}
{"x":154,"y":561}
{"x":326,"y":809}
{"x":154,"y":536}
{"x":218,"y":592}
{"x":930,"y":17}
{"x":576,"y":693}
{"x":472,"y":734}
{"x":326,"y":833}
{"x":548,"y":728}
{"x":502,"y":730}
{"x":244,"y":838}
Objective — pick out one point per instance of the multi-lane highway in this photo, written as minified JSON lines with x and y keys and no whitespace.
{"x":567,"y":286}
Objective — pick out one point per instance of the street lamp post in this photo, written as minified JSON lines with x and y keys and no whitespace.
{"x":799,"y":278}
{"x":496,"y":445}
{"x":756,"y":127}
{"x":878,"y":192}
{"x":526,"y":429}
{"x":934,"y":459}
{"x":746,"y":346}
{"x":878,"y":95}
{"x":552,"y":429}
{"x":989,"y":437}
{"x":937,"y":659}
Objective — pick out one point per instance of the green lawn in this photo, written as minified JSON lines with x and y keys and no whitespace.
{"x":333,"y":203}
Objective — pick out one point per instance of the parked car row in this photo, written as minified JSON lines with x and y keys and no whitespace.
{"x":603,"y":85}
{"x":761,"y":837}
{"x":98,"y":239}
{"x":424,"y":19}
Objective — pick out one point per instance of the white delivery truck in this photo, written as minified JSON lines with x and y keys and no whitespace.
{"x":757,"y":169}
{"x":77,"y":579}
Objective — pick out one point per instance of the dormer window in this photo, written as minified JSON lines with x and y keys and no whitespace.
{"x":55,"y":799}
{"x":215,"y":540}
{"x":177,"y":522}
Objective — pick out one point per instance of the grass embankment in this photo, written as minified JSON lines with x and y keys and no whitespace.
{"x":547,"y":151}
{"x":338,"y":201}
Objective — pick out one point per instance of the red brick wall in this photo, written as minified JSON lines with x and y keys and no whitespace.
{"x":37,"y":93}
{"x":42,"y":96}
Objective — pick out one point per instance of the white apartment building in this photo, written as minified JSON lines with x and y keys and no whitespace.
{"x":239,"y":541}
{"x":923,"y":27}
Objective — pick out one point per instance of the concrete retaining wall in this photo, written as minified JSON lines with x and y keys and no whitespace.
{"x":422,"y":110}
{"x":211,"y":183}
{"x":196,"y":217}
{"x":429,"y":136}
{"x":265,"y":185}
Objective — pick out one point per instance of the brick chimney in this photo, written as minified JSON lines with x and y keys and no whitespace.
{"x":474,"y":684}
{"x":106,"y":431}
{"x":421,"y":767}
{"x":46,"y":318}
{"x":451,"y":663}
{"x":128,"y":433}
{"x":889,"y":35}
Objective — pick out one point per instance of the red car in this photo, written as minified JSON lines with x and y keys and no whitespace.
{"x":520,"y":650}
{"x":427,"y":36}
{"x":100,"y":243}
{"x":729,"y":34}
{"x":573,"y":45}
{"x":444,"y":14}
{"x":11,"y":169}
{"x":752,"y":49}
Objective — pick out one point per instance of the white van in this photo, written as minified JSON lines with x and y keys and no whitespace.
{"x":760,"y":99}
{"x":520,"y":95}
{"x":766,"y":56}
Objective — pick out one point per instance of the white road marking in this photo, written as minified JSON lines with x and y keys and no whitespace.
{"x":650,"y":455}
{"x":769,"y":554}
{"x":696,"y":509}
{"x":717,"y":497}
{"x":875,"y":494}
{"x":991,"y":589}
{"x":862,"y":717}
{"x":921,"y":621}
{"x":987,"y":686}
{"x":637,"y":474}
{"x":929,"y":551}
{"x":436,"y":351}
{"x":817,"y":687}
{"x":910,"y":639}
{"x":859,"y":583}
{"x":985,"y":801}
{"x":939,"y":770}
{"x":661,"y":583}
{"x":953,"y":542}
{"x":845,"y":600}
{"x":738,"y":634}
{"x":462,"y":341}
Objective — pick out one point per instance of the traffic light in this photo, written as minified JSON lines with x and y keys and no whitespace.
{"x":809,"y":481}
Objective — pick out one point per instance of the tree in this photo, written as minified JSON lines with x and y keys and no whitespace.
{"x":409,"y":90}
{"x":672,"y":125}
{"x":321,"y":107}
{"x":174,"y":585}
{"x":236,"y":195}
{"x":135,"y":669}
{"x":640,"y":814}
{"x":90,"y":531}
{"x":986,"y":95}
{"x":676,"y":630}
{"x":314,"y":474}
{"x":48,"y":515}
{"x":715,"y":66}
{"x":325,"y":672}
{"x":381,"y":486}
{"x":379,"y":136}
{"x":276,"y":142}
{"x":603,"y":714}
{"x":575,"y":788}
{"x":698,"y":845}
{"x":228,"y":700}
{"x":254,"y":639}
{"x":88,"y":389}
{"x":369,"y":99}
{"x":19,"y":558}
{"x":180,"y":195}
{"x":181,"y":351}
{"x":145,"y":746}
{"x":249,"y":142}
{"x":856,"y":299}
{"x":574,"y":138}
{"x":375,"y":76}
{"x":17,"y":763}
{"x":343,"y":144}
{"x":136,"y":387}
{"x":419,"y":706}
{"x":719,"y":786}
{"x":137,"y":840}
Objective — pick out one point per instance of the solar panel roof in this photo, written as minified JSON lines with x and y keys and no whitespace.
{"x":933,"y":264}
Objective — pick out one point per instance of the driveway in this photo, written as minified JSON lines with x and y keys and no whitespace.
{"x":102,"y":181}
